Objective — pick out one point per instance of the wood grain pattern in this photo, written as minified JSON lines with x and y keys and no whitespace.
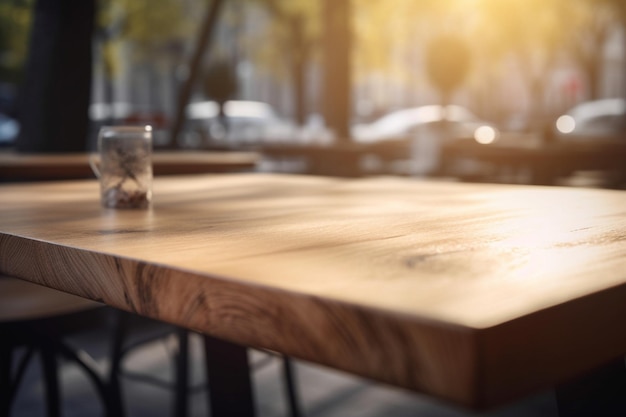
{"x":476,"y":294}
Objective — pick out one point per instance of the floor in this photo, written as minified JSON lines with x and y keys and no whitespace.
{"x":322,"y":392}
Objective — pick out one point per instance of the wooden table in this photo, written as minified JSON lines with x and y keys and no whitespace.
{"x":340,"y":159}
{"x":475,"y":294}
{"x":546,"y":161}
{"x":20,"y":166}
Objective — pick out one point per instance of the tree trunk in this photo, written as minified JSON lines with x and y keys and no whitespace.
{"x":337,"y":45}
{"x":300,"y":56}
{"x":204,"y":40}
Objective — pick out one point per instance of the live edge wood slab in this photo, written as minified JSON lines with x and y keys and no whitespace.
{"x":476,"y":294}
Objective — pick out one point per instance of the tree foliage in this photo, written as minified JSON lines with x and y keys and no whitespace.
{"x":150,"y":26}
{"x":15,"y":21}
{"x":292,"y":32}
{"x":534,"y":33}
{"x":147,"y":22}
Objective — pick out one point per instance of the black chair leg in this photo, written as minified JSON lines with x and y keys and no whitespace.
{"x":51,"y":379}
{"x":182,"y":373}
{"x":6,"y":355}
{"x":85,"y":363}
{"x":120,"y":330}
{"x":291,"y":387}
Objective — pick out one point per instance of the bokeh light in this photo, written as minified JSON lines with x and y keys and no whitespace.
{"x":566,"y":124}
{"x":485,"y":135}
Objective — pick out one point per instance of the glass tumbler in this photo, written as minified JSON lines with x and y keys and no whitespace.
{"x":125,"y":166}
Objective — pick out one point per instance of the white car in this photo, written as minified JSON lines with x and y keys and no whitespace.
{"x":598,"y":119}
{"x":247,"y":123}
{"x":421,"y":132}
{"x":401,"y":124}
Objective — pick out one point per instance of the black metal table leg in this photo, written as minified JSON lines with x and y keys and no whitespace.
{"x":230,"y":387}
{"x":599,"y":393}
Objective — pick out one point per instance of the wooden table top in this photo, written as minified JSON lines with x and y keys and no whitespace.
{"x":76,"y":165}
{"x":474,"y":293}
{"x":594,"y":153}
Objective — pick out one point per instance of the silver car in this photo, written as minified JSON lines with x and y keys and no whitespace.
{"x":598,"y":119}
{"x":247,"y":123}
{"x":459,"y":123}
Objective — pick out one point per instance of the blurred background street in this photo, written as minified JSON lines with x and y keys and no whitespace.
{"x":522,"y":91}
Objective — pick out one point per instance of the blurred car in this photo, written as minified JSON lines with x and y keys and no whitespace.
{"x":247,"y":123}
{"x":598,"y":119}
{"x":460,"y":123}
{"x":594,"y":134}
{"x":116,"y":111}
{"x":124,"y":113}
{"x":416,"y":136}
{"x":9,"y":129}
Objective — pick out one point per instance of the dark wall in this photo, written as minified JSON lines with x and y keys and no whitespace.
{"x":54,"y":97}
